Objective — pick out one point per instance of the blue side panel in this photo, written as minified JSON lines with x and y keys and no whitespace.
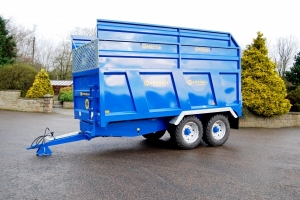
{"x":81,"y":82}
{"x":229,"y":84}
{"x":159,"y":91}
{"x":210,"y":65}
{"x":204,"y":38}
{"x":118,"y":98}
{"x":122,"y":31}
{"x":126,"y":128}
{"x":200,"y":50}
{"x":200,"y":90}
{"x":137,"y":63}
{"x":141,"y":37}
{"x":113,"y":46}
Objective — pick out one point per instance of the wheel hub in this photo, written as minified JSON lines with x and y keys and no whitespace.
{"x":190,"y":132}
{"x":218,"y":130}
{"x":187,"y":131}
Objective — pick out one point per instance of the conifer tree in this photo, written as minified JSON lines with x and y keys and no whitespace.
{"x":41,"y":86}
{"x":293,"y":76}
{"x":263,"y":90}
{"x":7,"y":45}
{"x":294,"y":97}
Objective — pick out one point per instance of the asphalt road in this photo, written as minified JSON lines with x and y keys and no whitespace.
{"x":253,"y":164}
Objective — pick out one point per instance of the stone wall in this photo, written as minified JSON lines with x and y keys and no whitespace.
{"x":68,"y":104}
{"x":290,"y":119}
{"x":10,"y":100}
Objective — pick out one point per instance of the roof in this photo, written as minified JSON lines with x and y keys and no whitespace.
{"x":61,"y":82}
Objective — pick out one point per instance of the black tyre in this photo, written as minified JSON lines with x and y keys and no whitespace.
{"x":154,"y":136}
{"x":188,"y":132}
{"x":171,"y":131}
{"x":217,"y":131}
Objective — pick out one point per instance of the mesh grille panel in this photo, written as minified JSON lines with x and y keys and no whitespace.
{"x":86,"y":56}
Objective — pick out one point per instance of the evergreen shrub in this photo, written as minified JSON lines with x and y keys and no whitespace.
{"x":263,"y":90}
{"x":41,"y":86}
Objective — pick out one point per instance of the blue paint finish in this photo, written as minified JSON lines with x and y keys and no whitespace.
{"x":204,"y":33}
{"x":150,"y":71}
{"x":43,"y":149}
{"x":141,"y":37}
{"x":119,"y":26}
{"x":117,"y":94}
{"x":134,"y":78}
{"x":159,"y":91}
{"x":136,"y":63}
{"x":114,"y":46}
{"x":181,"y":90}
{"x":204,"y":42}
{"x":200,"y":89}
{"x":126,"y":129}
{"x":78,"y":41}
{"x":229,"y":85}
{"x":137,"y":91}
{"x":216,"y":129}
{"x":226,"y":52}
{"x":217,"y":89}
{"x":209,"y":65}
{"x":81,"y":82}
{"x":187,"y":131}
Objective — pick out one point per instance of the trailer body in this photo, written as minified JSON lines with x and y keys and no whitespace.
{"x":139,"y":79}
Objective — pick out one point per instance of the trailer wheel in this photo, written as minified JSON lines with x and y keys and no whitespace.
{"x":188,"y":132}
{"x":154,"y":136}
{"x":217,"y":131}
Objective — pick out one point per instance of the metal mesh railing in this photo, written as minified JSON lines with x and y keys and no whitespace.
{"x":86,"y":56}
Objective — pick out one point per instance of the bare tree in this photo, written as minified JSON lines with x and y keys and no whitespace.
{"x":84,"y":31}
{"x":283,"y":53}
{"x":45,"y":51}
{"x":25,"y":41}
{"x":57,"y":60}
{"x":62,"y":62}
{"x":42,"y":53}
{"x":31,"y":49}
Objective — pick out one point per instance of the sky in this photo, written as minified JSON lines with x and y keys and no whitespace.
{"x":55,"y":19}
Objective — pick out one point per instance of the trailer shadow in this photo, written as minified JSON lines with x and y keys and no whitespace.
{"x":159,"y":144}
{"x":164,"y":144}
{"x":137,"y":148}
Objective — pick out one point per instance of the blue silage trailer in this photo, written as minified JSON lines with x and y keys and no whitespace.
{"x":143,"y":80}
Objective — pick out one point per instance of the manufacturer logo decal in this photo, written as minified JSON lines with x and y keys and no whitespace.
{"x":196,"y":82}
{"x":156,"y":83}
{"x":87,"y":104}
{"x":151,"y":46}
{"x":203,"y":49}
{"x":84,"y":94}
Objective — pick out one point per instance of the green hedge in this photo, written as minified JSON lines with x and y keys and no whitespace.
{"x":17,"y":76}
{"x":66,"y":94}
